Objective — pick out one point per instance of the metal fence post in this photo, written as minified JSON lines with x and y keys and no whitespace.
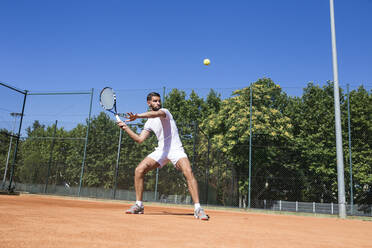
{"x":117,"y":164}
{"x":86,"y":143}
{"x":51,"y":156}
{"x":15,"y":115}
{"x":17,"y":142}
{"x":157,"y":169}
{"x":207,"y":172}
{"x":250,"y":147}
{"x":350,"y":154}
{"x":194,"y":145}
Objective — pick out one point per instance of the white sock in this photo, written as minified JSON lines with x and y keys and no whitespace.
{"x":139,"y":203}
{"x":197,"y":205}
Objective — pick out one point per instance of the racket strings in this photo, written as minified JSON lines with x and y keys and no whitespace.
{"x":108,"y":99}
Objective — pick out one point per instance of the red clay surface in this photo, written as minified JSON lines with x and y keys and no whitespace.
{"x":44,"y":221}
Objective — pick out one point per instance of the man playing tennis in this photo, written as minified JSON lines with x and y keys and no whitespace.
{"x":161,"y":122}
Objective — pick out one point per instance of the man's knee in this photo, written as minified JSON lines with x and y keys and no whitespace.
{"x":187,"y":170}
{"x":185,"y":167}
{"x":145,"y":166}
{"x":140,"y":170}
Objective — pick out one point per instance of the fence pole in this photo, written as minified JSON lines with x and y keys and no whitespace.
{"x":350,"y":157}
{"x":50,"y":156}
{"x":17,"y":141}
{"x":157,"y":169}
{"x":194,"y":145}
{"x":250,"y":147}
{"x":207,"y":171}
{"x":15,"y":115}
{"x":86,"y":142}
{"x":117,"y":164}
{"x":7,"y":160}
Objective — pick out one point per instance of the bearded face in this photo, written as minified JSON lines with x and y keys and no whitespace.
{"x":154,"y":103}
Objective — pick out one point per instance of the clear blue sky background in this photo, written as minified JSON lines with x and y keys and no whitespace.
{"x":77,"y":45}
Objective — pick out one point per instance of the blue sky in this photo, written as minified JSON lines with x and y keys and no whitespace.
{"x":78,"y":45}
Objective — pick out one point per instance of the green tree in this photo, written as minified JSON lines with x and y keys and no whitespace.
{"x":70,"y":171}
{"x":35,"y":154}
{"x":271,"y":128}
{"x":314,"y":124}
{"x":101,"y":150}
{"x":361,"y":133}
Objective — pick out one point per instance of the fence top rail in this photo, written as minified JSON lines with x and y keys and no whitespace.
{"x":56,"y":138}
{"x":13,"y":88}
{"x":59,"y":93}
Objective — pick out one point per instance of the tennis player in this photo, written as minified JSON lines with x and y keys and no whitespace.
{"x":161,"y":122}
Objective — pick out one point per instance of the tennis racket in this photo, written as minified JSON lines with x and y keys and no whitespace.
{"x":107,"y":99}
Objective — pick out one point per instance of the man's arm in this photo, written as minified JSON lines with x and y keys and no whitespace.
{"x":150,"y":114}
{"x":137,"y":138}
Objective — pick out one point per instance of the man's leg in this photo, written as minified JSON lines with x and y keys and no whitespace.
{"x":145,"y":166}
{"x":183,"y":164}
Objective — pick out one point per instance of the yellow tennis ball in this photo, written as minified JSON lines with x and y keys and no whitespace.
{"x":206,"y":61}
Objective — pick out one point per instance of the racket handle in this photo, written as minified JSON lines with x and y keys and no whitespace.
{"x":118,"y":118}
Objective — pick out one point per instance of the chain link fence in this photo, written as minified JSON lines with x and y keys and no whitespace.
{"x":293,"y":172}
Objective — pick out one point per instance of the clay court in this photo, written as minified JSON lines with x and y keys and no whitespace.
{"x":50,"y":221}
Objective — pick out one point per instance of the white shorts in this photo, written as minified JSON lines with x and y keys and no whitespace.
{"x":164,"y":156}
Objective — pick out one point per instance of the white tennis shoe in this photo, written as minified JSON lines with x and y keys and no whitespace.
{"x":135,"y":209}
{"x":200,"y":214}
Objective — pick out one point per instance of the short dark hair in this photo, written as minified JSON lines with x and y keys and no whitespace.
{"x":150,"y":95}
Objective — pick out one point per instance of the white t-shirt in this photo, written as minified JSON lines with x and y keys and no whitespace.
{"x":165,"y":130}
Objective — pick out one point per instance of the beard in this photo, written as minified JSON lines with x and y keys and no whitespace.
{"x":155,"y":108}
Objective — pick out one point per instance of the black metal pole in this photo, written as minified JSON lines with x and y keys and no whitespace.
{"x":194,"y":145}
{"x":50,"y":157}
{"x":350,"y":153}
{"x":117,"y":164}
{"x":16,"y":145}
{"x":207,"y":173}
{"x":250,"y":147}
{"x":86,"y":143}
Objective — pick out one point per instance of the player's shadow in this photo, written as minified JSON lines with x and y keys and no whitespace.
{"x":168,"y":213}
